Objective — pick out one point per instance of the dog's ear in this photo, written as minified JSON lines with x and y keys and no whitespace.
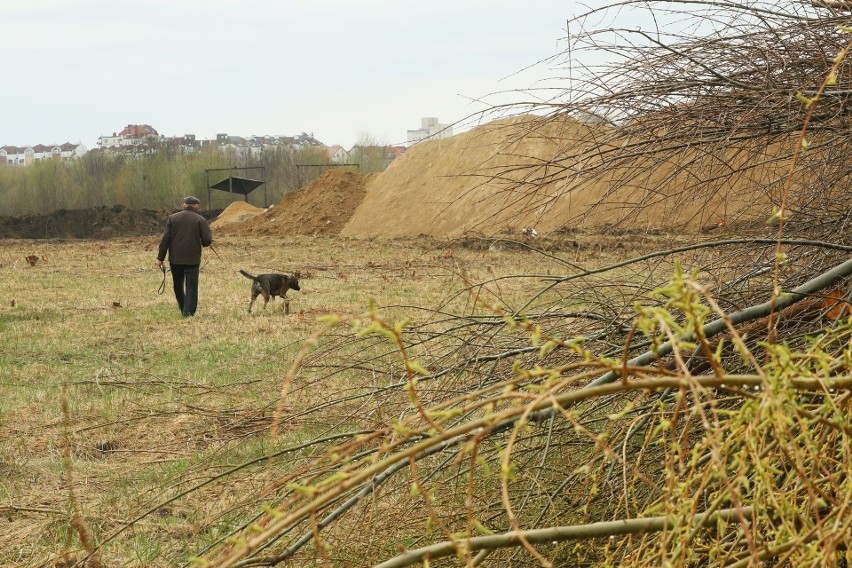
{"x":296,"y":275}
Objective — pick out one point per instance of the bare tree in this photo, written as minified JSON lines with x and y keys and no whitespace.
{"x":721,"y":104}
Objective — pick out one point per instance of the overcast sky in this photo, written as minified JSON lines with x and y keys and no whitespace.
{"x":342,"y":70}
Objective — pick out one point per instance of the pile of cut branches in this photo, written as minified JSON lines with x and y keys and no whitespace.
{"x":674,"y":425}
{"x":685,"y":407}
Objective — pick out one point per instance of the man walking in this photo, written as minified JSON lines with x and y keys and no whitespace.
{"x":186,"y":232}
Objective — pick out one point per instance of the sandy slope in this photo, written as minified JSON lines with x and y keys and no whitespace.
{"x":522,"y":172}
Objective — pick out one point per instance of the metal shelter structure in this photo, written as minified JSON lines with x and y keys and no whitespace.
{"x":241,"y":184}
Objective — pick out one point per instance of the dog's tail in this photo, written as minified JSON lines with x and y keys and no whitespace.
{"x":246,"y":274}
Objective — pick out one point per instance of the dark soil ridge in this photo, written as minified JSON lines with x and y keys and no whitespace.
{"x":95,"y":223}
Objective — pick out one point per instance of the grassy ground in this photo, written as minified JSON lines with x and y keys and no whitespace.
{"x":158,"y":404}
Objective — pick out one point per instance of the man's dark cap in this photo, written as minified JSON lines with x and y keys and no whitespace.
{"x":190,"y":200}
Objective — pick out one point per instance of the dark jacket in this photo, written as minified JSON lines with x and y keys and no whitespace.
{"x":186,"y":232}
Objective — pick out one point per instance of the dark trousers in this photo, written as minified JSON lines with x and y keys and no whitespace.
{"x":185,"y":280}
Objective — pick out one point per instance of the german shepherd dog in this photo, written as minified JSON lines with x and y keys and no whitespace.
{"x":271,"y":285}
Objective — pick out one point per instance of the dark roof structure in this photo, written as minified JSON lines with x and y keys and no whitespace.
{"x":238,"y":183}
{"x":234,"y":184}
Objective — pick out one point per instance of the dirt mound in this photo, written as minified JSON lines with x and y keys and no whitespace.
{"x":320,"y":208}
{"x":236,"y":212}
{"x":461,"y":184}
{"x":96,"y":223}
{"x":490,"y":181}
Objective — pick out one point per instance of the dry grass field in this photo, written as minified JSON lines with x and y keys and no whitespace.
{"x":122,"y":422}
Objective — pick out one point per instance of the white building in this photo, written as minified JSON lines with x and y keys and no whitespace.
{"x":132,"y":135}
{"x":430,"y":129}
{"x":26,"y":155}
{"x":336,"y":154}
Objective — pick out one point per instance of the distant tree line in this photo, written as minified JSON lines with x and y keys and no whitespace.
{"x":160,"y":180}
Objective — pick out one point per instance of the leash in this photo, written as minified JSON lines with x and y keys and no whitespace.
{"x":207,"y":258}
{"x":215,"y":252}
{"x":162,"y":287}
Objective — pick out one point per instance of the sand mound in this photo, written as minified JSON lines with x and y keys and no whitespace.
{"x":490,"y":181}
{"x":453,"y":186}
{"x":236,"y":212}
{"x":321,"y":208}
{"x":512,"y":174}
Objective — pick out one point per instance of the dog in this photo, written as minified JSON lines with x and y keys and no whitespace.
{"x":270,"y":285}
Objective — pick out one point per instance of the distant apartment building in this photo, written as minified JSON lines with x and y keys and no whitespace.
{"x":339,"y":155}
{"x":336,"y":154}
{"x":26,"y":155}
{"x":430,"y":129}
{"x":255,"y":145}
{"x":393,"y":152}
{"x":143,"y":139}
{"x":138,"y":139}
{"x":132,"y":136}
{"x":302,"y":140}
